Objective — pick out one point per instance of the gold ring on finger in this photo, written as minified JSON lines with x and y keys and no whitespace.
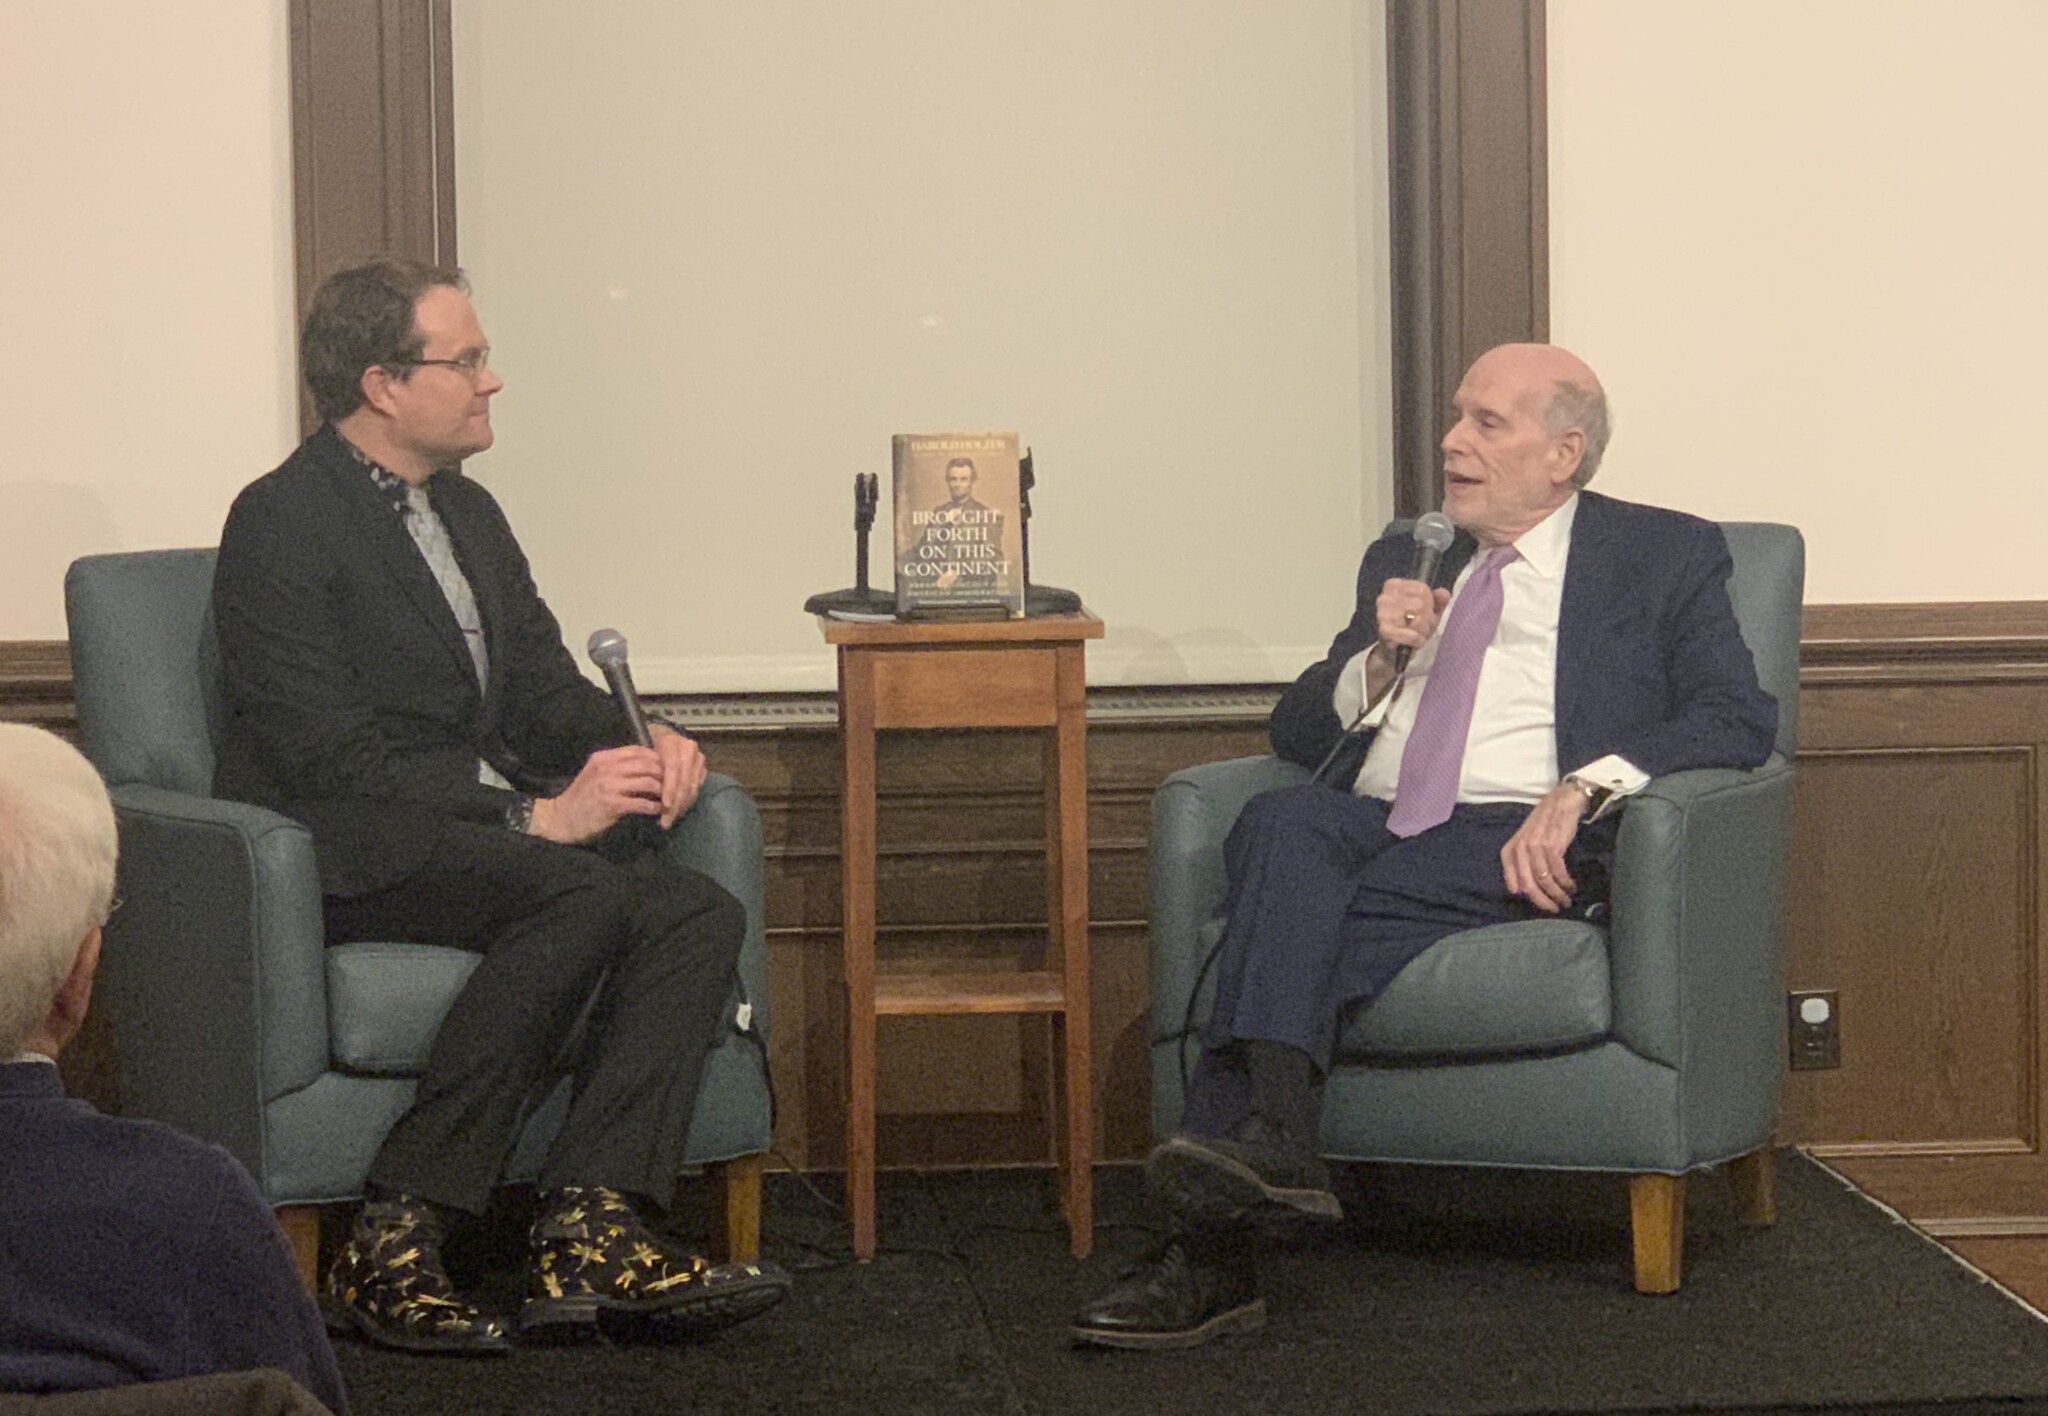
{"x":1408,"y":618}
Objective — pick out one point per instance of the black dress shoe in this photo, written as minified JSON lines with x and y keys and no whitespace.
{"x":728,"y":1294}
{"x":1253,"y":1173}
{"x":598,"y":1270}
{"x":1173,"y":1300}
{"x":388,"y":1285}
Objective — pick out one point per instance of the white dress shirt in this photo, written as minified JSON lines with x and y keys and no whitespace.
{"x":1511,"y":754}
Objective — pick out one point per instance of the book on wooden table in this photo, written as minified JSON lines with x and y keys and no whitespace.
{"x":957,"y":500}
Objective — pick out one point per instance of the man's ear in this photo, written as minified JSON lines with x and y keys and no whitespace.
{"x":377,"y":384}
{"x":1566,"y":453}
{"x":67,"y":1009}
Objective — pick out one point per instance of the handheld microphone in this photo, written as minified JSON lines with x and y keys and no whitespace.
{"x":608,"y":651}
{"x":1433,"y":536}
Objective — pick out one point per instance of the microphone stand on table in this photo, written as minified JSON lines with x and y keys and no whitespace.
{"x":1038,"y":599}
{"x":860,"y":602}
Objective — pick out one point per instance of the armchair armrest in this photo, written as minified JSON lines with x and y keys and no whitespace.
{"x":213,"y":974}
{"x":1192,"y":813}
{"x":1697,"y":941}
{"x":721,"y":837}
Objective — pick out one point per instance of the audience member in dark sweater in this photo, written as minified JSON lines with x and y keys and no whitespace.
{"x":128,"y":1252}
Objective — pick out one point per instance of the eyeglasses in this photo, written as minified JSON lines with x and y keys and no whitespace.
{"x":471,"y":363}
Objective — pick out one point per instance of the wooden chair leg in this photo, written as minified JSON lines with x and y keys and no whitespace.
{"x":301,"y":1226}
{"x":1657,"y":1217}
{"x":1754,"y":1178}
{"x":738,"y":1195}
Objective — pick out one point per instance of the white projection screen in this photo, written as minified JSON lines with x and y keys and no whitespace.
{"x":724,"y":250}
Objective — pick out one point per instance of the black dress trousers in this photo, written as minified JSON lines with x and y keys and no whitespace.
{"x":656,"y":944}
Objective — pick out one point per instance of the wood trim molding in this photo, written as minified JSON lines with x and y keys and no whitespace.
{"x":1468,"y":166}
{"x":1955,"y":643}
{"x":373,"y":136}
{"x":35,"y":684}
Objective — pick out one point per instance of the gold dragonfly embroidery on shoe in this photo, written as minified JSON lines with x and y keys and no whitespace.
{"x":388,"y":1284}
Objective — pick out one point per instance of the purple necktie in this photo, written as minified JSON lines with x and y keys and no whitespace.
{"x":1433,"y":758}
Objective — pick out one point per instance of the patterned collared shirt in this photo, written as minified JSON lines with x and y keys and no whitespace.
{"x":430,"y":535}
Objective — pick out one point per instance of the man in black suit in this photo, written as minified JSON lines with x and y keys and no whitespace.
{"x":1586,"y":646}
{"x":128,"y":1253}
{"x":393,"y":680}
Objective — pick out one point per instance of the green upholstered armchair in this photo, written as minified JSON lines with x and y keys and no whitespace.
{"x":1651,"y":1046}
{"x":231,"y":1019}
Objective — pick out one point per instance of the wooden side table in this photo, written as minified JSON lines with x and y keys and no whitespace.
{"x":1026,"y":673}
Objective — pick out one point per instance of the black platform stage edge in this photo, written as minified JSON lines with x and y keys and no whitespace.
{"x":1446,"y":1293}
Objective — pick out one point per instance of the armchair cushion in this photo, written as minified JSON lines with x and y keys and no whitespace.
{"x":385,"y":1002}
{"x":1535,"y":986}
{"x":1531,"y":986}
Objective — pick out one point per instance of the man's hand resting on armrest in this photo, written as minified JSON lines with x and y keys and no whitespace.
{"x":1532,"y":862}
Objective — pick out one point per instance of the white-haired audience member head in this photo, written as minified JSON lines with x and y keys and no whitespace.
{"x":57,"y":848}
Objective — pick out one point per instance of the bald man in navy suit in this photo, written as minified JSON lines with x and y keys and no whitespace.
{"x":1592,"y":643}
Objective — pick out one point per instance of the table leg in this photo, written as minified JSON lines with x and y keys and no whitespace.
{"x":1066,"y":799}
{"x":857,"y":903}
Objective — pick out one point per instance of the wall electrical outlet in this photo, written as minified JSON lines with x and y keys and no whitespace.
{"x":1814,"y":1021}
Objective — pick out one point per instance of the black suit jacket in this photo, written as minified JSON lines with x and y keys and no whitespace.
{"x":350,"y":703}
{"x":1650,"y":661}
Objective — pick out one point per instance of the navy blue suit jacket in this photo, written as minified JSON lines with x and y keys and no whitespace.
{"x":1650,"y":662}
{"x":131,"y":1253}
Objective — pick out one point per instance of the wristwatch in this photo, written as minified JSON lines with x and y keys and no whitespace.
{"x":1598,"y":798}
{"x":519,"y":815}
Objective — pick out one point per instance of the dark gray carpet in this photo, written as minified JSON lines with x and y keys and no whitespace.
{"x":1445,"y":1293}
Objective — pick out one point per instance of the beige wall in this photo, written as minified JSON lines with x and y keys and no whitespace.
{"x":1803,"y":242}
{"x":146,"y":370}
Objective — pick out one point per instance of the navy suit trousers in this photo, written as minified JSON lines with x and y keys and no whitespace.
{"x":1324,"y":907}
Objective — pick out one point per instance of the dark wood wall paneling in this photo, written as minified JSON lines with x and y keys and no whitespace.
{"x":1469,"y":216}
{"x":373,"y":136}
{"x":35,"y":684}
{"x":1916,"y":881}
{"x":960,"y":881}
{"x":1917,"y":893}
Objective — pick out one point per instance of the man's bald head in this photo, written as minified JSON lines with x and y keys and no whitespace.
{"x":1569,"y":393}
{"x":1532,"y":423}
